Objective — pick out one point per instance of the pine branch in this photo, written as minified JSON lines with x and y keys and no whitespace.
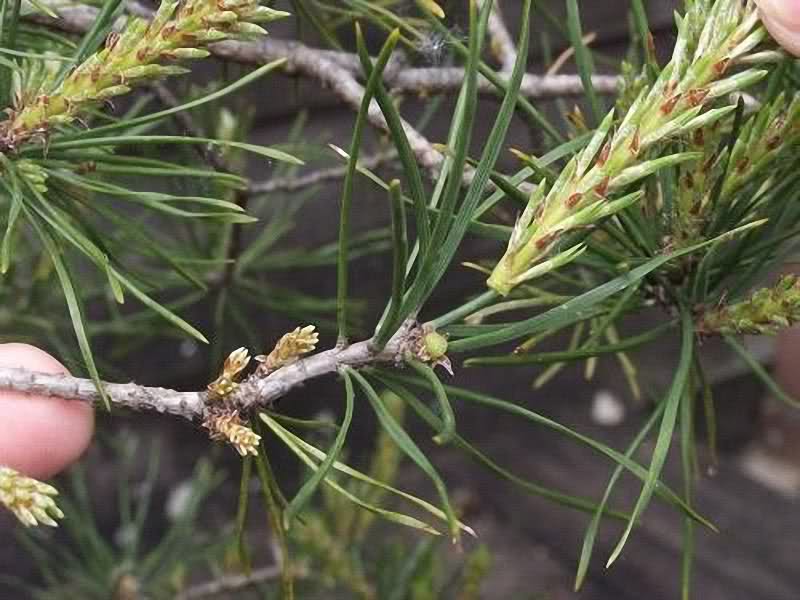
{"x":765,"y":312}
{"x":440,"y":80}
{"x":339,"y":71}
{"x":502,"y":45}
{"x":298,"y":182}
{"x":231,"y":583}
{"x":189,"y":405}
{"x":712,"y":41}
{"x":400,"y":78}
{"x":142,"y":52}
{"x":254,"y":392}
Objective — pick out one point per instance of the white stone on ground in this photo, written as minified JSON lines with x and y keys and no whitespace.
{"x":607,"y":409}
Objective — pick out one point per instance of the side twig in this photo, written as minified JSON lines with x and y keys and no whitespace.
{"x":231,"y":583}
{"x":293,"y":184}
{"x":502,"y":44}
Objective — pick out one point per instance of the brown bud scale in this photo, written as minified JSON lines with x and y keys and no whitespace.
{"x":573,"y":200}
{"x":602,"y":187}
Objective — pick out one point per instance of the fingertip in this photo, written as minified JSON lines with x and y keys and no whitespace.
{"x":782,"y":20}
{"x":42,"y":435}
{"x":786,"y":12}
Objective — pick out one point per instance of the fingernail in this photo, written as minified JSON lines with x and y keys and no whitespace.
{"x":788,"y":37}
{"x":785,"y":13}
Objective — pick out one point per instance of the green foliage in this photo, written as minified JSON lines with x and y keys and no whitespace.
{"x":335,"y":550}
{"x":681,"y":197}
{"x":766,"y":311}
{"x":93,"y":565}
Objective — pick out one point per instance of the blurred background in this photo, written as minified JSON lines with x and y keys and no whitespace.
{"x":752,"y":494}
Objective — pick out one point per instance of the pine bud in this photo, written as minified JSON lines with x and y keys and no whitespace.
{"x":736,"y":83}
{"x":213,"y":35}
{"x":710,"y":45}
{"x":432,"y":7}
{"x":236,"y":362}
{"x":767,"y":311}
{"x":30,"y":500}
{"x":189,"y":53}
{"x":435,"y":345}
{"x":230,"y":427}
{"x":226,"y":16}
{"x":177,"y":31}
{"x":289,"y":348}
{"x":145,"y":72}
{"x":110,"y":92}
{"x":249,"y":29}
{"x":236,"y":5}
{"x":430,"y":346}
{"x":264,"y":14}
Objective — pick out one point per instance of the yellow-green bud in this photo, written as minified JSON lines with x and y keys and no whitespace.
{"x":189,"y":53}
{"x":435,"y":345}
{"x":142,"y":71}
{"x":765,"y":312}
{"x":232,"y":4}
{"x":249,"y":29}
{"x":111,"y":92}
{"x":226,"y":16}
{"x":171,"y":70}
{"x":30,"y":500}
{"x":214,"y":35}
{"x":264,"y":14}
